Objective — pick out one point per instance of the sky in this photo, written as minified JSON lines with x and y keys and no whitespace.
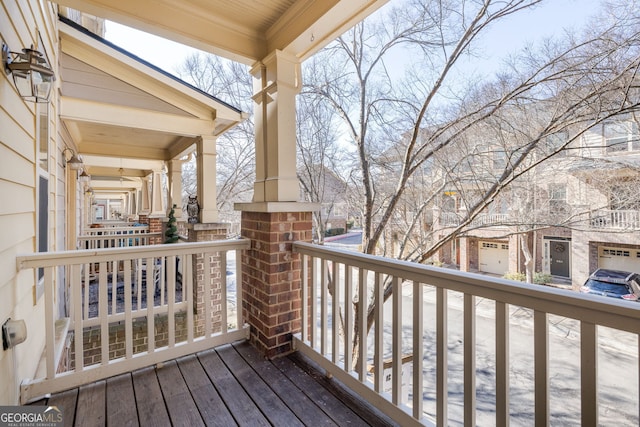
{"x":500,"y":41}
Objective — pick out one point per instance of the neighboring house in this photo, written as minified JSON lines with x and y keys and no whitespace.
{"x":321,"y":185}
{"x":582,"y":213}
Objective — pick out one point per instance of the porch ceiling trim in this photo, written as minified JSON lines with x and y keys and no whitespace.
{"x":135,"y":118}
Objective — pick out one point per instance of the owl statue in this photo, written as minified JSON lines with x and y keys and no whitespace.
{"x":193,"y":209}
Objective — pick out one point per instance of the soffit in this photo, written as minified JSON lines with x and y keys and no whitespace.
{"x":242,"y":30}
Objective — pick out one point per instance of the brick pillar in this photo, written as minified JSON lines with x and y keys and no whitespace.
{"x":155,"y":226}
{"x":207,"y":233}
{"x":271,"y":278}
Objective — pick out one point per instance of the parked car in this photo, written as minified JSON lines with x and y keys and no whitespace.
{"x":614,"y":284}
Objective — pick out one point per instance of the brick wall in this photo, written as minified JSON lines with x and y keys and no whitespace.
{"x":93,"y":349}
{"x":271,"y":278}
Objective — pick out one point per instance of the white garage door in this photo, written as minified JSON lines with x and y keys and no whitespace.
{"x":493,"y":257}
{"x":619,"y":259}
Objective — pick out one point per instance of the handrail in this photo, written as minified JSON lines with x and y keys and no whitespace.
{"x":139,"y":291}
{"x":335,"y":278}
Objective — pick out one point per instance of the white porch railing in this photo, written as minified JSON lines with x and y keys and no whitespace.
{"x":440,"y":322}
{"x":616,"y":219}
{"x":116,"y":240}
{"x":450,"y":219}
{"x":131,"y":286}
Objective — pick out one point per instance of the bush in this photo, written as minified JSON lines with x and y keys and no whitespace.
{"x":520,"y":277}
{"x":541,"y":278}
{"x":172,"y":230}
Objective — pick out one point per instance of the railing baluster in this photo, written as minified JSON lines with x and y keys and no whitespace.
{"x":208,"y":326}
{"x":314,"y":302}
{"x":128,"y":320}
{"x":589,"y":373}
{"x":502,"y":364}
{"x":223,"y":291}
{"x":541,"y":362}
{"x":324,"y":323}
{"x":418,"y":348}
{"x":362,"y":322}
{"x":150,"y":286}
{"x":187,"y":293}
{"x":114,"y":287}
{"x":238,"y":289}
{"x":378,"y":356}
{"x":396,"y":338}
{"x":103,"y":310}
{"x":77,"y":316}
{"x":169,"y":274}
{"x":87,"y":285}
{"x":348,"y":309}
{"x":305,"y":297}
{"x":442,"y":357}
{"x":469,"y":360}
{"x":335,"y":313}
{"x":49,"y":313}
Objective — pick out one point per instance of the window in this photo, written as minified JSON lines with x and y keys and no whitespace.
{"x":555,"y":141}
{"x":42,"y":189}
{"x":558,"y":206}
{"x":499,"y":160}
{"x":621,"y":136}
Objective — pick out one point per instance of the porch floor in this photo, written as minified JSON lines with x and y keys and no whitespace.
{"x":226,"y":386}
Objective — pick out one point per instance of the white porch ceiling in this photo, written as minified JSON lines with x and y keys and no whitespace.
{"x":242,"y":30}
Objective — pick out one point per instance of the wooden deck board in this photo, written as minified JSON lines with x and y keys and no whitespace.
{"x":66,"y":401}
{"x":121,"y":403}
{"x":151,"y":408}
{"x":182,"y":408}
{"x":91,"y":406}
{"x":294,"y":398}
{"x":227,"y":386}
{"x":237,"y":400}
{"x":269,"y":403}
{"x":211,"y":406}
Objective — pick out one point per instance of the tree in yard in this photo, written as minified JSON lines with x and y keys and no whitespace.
{"x":433,"y":118}
{"x":230,"y":82}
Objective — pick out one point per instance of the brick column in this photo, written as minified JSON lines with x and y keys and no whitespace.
{"x":207,"y":233}
{"x":271,"y":277}
{"x":155,"y":226}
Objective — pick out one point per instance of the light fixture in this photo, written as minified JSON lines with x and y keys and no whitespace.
{"x":32,"y":74}
{"x":84,"y":176}
{"x":74,"y":162}
{"x":13,"y":333}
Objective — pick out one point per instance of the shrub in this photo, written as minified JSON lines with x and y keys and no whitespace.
{"x":541,"y":278}
{"x":172,"y":230}
{"x":520,"y":277}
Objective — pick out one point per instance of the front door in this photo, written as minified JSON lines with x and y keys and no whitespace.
{"x":559,"y":257}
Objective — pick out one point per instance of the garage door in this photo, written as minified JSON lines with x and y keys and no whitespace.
{"x":493,"y":257}
{"x":619,"y":259}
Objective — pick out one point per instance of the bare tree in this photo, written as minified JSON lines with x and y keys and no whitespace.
{"x":230,"y":82}
{"x":565,"y":85}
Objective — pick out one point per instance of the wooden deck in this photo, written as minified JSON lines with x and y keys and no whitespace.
{"x":227,"y":386}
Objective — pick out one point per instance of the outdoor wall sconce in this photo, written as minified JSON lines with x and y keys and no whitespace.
{"x":32,"y":74}
{"x":13,"y":333}
{"x":84,"y":176}
{"x":74,"y":162}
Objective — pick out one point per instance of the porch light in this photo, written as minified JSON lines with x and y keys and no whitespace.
{"x":13,"y":333}
{"x":84,"y":176}
{"x":32,"y":74}
{"x":74,"y":162}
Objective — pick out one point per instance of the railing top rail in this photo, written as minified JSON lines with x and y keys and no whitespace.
{"x":119,"y":236}
{"x":604,"y":311}
{"x":116,"y":229}
{"x":51,"y":259}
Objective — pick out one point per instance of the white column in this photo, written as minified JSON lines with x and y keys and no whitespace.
{"x":144,"y":206}
{"x":175,"y":187}
{"x":206,"y":168}
{"x":157,"y":203}
{"x":276,"y":81}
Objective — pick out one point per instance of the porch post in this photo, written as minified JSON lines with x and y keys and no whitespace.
{"x":206,"y":168}
{"x":276,"y":81}
{"x":271,"y":272}
{"x":175,"y":187}
{"x":144,"y":208}
{"x":157,"y":206}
